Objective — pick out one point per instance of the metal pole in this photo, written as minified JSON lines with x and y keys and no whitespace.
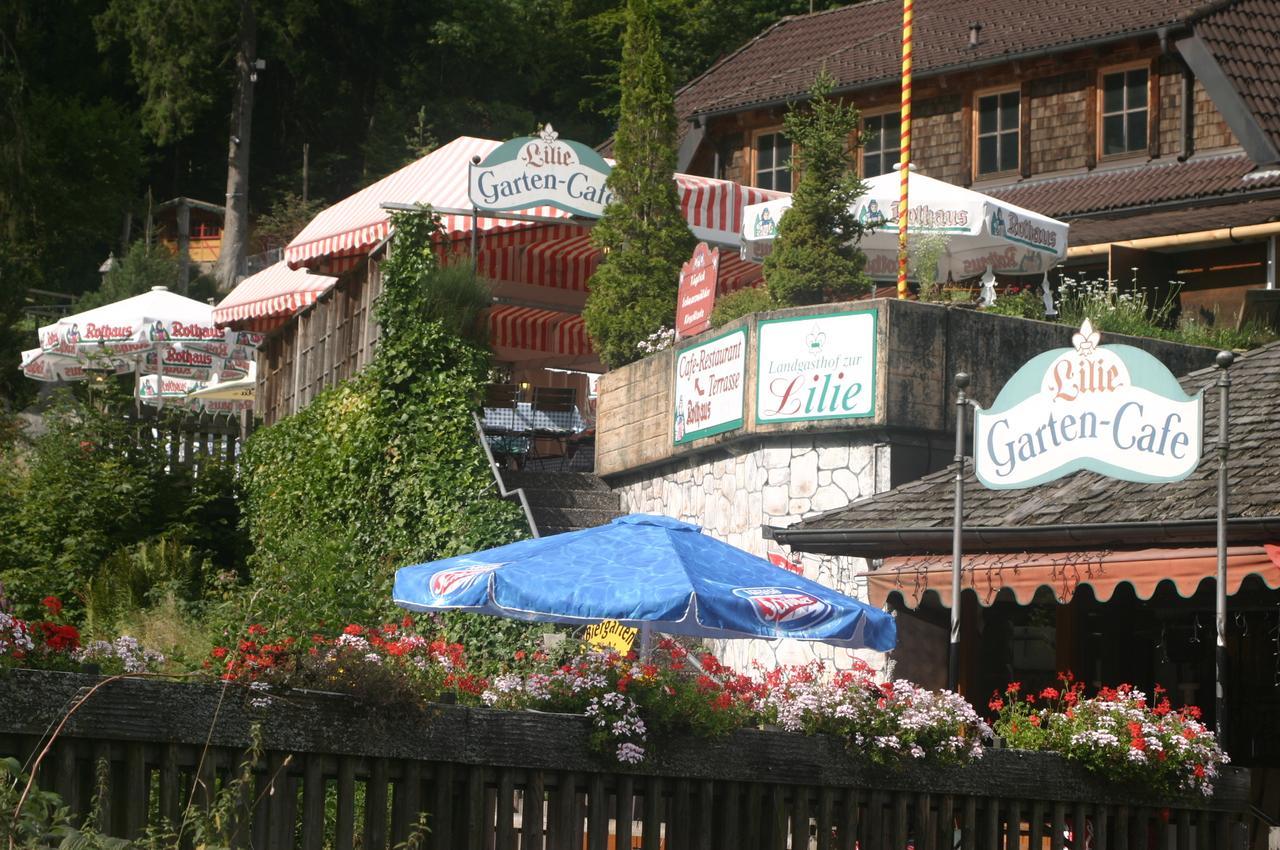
{"x":475,"y":217}
{"x":957,"y":526}
{"x":1224,"y":361}
{"x":904,"y":139}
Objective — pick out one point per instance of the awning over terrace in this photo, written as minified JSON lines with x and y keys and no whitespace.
{"x":532,"y":331}
{"x":712,"y":207}
{"x":1063,"y":573}
{"x":267,"y":299}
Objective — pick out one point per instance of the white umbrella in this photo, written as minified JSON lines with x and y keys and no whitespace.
{"x":193,"y":395}
{"x":982,"y":231}
{"x":157,"y":332}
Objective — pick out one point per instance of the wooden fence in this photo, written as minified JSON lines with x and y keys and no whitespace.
{"x":192,"y":438}
{"x":335,"y":772}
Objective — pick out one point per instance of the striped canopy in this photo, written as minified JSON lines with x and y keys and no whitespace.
{"x":273,"y":293}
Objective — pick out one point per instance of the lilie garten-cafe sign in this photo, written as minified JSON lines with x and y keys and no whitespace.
{"x":542,"y":170}
{"x":1111,"y":409}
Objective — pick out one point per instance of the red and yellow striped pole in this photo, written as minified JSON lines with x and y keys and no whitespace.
{"x":904,"y":162}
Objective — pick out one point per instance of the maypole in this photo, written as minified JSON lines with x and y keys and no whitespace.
{"x":904,"y":162}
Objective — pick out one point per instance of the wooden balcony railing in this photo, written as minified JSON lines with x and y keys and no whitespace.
{"x":336,"y":772}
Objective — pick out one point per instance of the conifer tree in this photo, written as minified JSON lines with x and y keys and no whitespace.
{"x":643,"y":233}
{"x":815,"y":257}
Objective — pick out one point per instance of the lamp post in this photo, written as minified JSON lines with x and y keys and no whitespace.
{"x":1224,"y":361}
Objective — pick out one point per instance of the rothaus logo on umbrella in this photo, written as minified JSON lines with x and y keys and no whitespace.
{"x":785,"y":608}
{"x":455,"y":580}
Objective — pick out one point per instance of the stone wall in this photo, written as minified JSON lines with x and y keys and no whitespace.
{"x":779,"y":481}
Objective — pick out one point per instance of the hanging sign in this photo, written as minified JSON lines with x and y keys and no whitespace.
{"x":817,"y":367}
{"x":697,"y":293}
{"x":610,"y":634}
{"x":1112,"y":409}
{"x":542,"y":170}
{"x":709,"y":384}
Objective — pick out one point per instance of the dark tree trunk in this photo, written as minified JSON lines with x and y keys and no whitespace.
{"x":235,"y":229}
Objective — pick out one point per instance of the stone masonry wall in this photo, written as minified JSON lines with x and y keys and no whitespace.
{"x":785,"y":478}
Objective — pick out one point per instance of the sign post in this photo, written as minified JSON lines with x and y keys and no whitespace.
{"x":957,"y":527}
{"x":1224,"y":361}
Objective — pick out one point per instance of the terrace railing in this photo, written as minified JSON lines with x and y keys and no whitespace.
{"x":332,"y":771}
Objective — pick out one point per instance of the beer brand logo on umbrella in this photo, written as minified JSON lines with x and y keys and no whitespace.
{"x":454,"y":580}
{"x":784,"y":608}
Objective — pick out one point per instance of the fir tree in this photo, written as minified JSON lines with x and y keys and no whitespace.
{"x":815,"y":257}
{"x":643,"y":233}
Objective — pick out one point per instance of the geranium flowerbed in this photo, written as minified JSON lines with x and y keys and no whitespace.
{"x":632,"y":705}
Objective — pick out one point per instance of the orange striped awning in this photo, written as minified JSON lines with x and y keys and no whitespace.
{"x":1064,"y":573}
{"x":275,"y":292}
{"x":532,"y":329}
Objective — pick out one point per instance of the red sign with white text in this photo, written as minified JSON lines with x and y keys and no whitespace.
{"x":697,"y":294}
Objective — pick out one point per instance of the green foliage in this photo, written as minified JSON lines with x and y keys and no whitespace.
{"x":1025,"y":304}
{"x":143,"y":267}
{"x":815,"y":257}
{"x":643,"y":232}
{"x":84,"y":494}
{"x":735,"y":305}
{"x":284,"y":220}
{"x":381,"y":471}
{"x":924,"y":251}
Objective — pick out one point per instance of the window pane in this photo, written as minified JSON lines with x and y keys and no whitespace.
{"x":987,"y":114}
{"x":1137,"y":86}
{"x":892,"y":130}
{"x":871,"y":165}
{"x":764,"y":179}
{"x":783,"y":181}
{"x":782,"y":145}
{"x":1008,"y":151}
{"x":1009,"y":111}
{"x":873,"y":135}
{"x":1113,"y":93}
{"x":764,"y":152}
{"x":987,"y":162}
{"x":1113,"y":134}
{"x":1137,"y":130}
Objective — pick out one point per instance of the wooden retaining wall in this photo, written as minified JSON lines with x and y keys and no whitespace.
{"x":336,"y":772}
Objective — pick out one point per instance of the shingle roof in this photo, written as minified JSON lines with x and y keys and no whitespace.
{"x":1139,"y":185}
{"x":1120,"y":228}
{"x":861,"y":44}
{"x":1086,"y":497}
{"x":1244,"y":38}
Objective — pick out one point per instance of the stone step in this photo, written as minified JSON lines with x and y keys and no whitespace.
{"x":607,"y":501}
{"x":556,"y":481}
{"x":571,"y":517}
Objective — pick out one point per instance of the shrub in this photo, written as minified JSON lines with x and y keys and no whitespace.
{"x":643,"y":232}
{"x":744,"y":302}
{"x":815,"y":258}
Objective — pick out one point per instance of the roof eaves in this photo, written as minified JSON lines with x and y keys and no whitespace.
{"x":1224,"y":94}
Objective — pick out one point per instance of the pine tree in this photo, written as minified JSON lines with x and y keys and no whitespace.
{"x":815,"y":257}
{"x":643,"y":232}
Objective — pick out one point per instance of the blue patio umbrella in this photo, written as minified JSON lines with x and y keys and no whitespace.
{"x":639,"y":570}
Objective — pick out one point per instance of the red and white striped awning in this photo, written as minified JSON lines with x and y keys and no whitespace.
{"x":712,"y":207}
{"x":737,"y":273}
{"x":275,"y":292}
{"x":532,"y":329}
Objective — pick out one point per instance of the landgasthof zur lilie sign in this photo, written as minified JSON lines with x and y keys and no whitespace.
{"x":817,"y":367}
{"x":1112,"y":409}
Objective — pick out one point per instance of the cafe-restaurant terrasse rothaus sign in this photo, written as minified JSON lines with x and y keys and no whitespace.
{"x":1112,"y":409}
{"x":542,"y":170}
{"x":710,"y":383}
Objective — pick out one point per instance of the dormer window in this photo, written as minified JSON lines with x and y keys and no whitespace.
{"x":1124,"y":111}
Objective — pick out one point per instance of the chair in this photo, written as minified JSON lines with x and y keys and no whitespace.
{"x":552,"y":416}
{"x":499,"y":412}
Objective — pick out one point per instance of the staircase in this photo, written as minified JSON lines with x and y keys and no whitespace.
{"x":565,"y":501}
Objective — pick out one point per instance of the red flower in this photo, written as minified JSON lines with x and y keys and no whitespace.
{"x":1199,"y":771}
{"x":353,"y":629}
{"x":996,"y":703}
{"x":519,"y":655}
{"x":1049,"y":693}
{"x":219,"y":652}
{"x":1014,"y":687}
{"x":257,"y":629}
{"x":53,"y":605}
{"x":1034,"y":720}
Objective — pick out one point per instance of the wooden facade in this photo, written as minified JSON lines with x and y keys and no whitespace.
{"x":330,"y":771}
{"x":325,"y":343}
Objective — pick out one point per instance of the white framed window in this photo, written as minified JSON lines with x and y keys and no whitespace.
{"x":771,"y":153}
{"x":883,"y":145}
{"x":1124,"y":110}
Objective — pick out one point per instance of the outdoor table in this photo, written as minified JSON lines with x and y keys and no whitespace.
{"x":523,"y":420}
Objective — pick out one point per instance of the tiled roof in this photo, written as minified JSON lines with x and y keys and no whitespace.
{"x":1140,"y":185}
{"x":861,"y":44}
{"x":1119,"y":228}
{"x":1244,"y":38}
{"x":1086,"y":497}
